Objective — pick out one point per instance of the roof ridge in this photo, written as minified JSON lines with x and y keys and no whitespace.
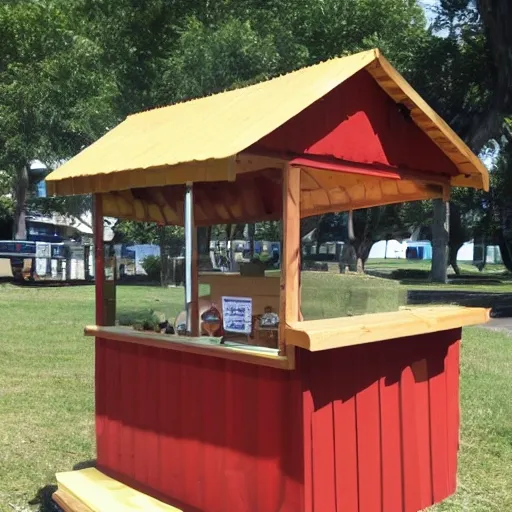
{"x":376,"y":53}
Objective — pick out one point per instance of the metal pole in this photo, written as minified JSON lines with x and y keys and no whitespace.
{"x":189,"y":233}
{"x":191,"y":264}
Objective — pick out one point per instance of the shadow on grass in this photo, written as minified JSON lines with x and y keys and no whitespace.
{"x":75,"y":282}
{"x":43,"y":497}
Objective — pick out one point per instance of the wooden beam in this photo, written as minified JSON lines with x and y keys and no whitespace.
{"x":68,"y":503}
{"x":249,"y":162}
{"x":99,"y":258}
{"x":290,"y":255}
{"x":191,"y":346}
{"x":194,"y":305}
{"x":156,"y":196}
{"x":326,"y":334}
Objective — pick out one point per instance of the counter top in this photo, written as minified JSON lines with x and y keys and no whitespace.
{"x":203,"y":345}
{"x":315,"y":335}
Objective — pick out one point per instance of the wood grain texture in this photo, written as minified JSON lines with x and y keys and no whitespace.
{"x":194,"y":305}
{"x":68,"y":503}
{"x":289,"y":310}
{"x":378,"y":435}
{"x":201,"y":433}
{"x":315,"y":335}
{"x":264,"y":291}
{"x":365,"y":428}
{"x":184,"y":344}
{"x":99,"y":258}
{"x":472,"y":171}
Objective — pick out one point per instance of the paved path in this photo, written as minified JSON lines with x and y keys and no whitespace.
{"x":501,"y":324}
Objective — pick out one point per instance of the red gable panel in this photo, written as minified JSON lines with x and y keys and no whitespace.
{"x":358,"y":122}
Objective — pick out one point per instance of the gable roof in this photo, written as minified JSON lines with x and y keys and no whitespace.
{"x":198,"y":140}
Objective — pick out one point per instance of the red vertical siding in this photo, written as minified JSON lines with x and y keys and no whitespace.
{"x":200,"y":432}
{"x":383,"y":427}
{"x":371,"y":428}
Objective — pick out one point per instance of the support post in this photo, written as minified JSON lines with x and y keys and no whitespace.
{"x":99,"y":260}
{"x":440,"y":239}
{"x":290,"y":258}
{"x":191,"y":265}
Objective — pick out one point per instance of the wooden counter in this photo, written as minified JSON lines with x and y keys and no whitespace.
{"x":202,"y":346}
{"x":315,"y":335}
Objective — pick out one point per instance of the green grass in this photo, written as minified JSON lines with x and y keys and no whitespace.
{"x":326,"y":295}
{"x":47,"y":401}
{"x":465,"y":267}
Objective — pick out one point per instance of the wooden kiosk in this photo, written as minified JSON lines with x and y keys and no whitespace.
{"x":356,"y":414}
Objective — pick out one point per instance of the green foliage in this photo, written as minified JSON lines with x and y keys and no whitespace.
{"x":153,"y":267}
{"x":128,"y":231}
{"x":268,"y":230}
{"x":54,"y":98}
{"x":71,"y":69}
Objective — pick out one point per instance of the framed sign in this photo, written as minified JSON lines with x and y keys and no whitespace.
{"x":237,"y":314}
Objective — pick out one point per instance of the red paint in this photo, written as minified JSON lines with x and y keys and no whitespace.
{"x":333,"y":165}
{"x":99,"y":258}
{"x":103,"y":411}
{"x":391,"y":439}
{"x":358,"y":122}
{"x":371,"y":428}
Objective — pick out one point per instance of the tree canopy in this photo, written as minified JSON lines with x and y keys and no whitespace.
{"x":72,"y":69}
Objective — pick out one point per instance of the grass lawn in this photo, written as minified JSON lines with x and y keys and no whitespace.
{"x":466,"y":267}
{"x":46,"y":384}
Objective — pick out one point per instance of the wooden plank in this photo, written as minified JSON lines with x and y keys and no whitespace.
{"x":345,"y":431}
{"x":323,"y":436}
{"x":423,"y":435}
{"x":410,"y":458}
{"x":452,"y":372}
{"x":368,"y":404}
{"x":428,"y":119}
{"x":439,"y":429}
{"x":249,"y":162}
{"x":325,"y":334}
{"x":391,"y":445}
{"x":68,"y":503}
{"x":96,"y":492}
{"x":99,"y":259}
{"x":194,"y":305}
{"x":192,"y":346}
{"x":290,"y":258}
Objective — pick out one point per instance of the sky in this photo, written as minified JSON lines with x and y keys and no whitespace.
{"x":427,"y":7}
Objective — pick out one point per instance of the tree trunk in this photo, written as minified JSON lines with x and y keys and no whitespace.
{"x":440,"y":237}
{"x":238,"y":232}
{"x":505,"y":236}
{"x":362,"y":252}
{"x":21,"y":184}
{"x":308,"y":224}
{"x":458,"y":234}
{"x":204,"y":235}
{"x":252,"y":233}
{"x":164,"y":256}
{"x":496,"y":18}
{"x":348,"y":258}
{"x":452,"y":251}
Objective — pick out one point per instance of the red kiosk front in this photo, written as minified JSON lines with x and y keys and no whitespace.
{"x":356,"y":414}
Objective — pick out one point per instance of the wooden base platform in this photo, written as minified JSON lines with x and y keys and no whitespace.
{"x":89,"y":490}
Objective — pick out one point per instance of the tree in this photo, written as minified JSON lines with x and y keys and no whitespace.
{"x":365,"y":227}
{"x":53,"y":97}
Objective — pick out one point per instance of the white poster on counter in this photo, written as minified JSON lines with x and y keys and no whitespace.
{"x":237,"y":314}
